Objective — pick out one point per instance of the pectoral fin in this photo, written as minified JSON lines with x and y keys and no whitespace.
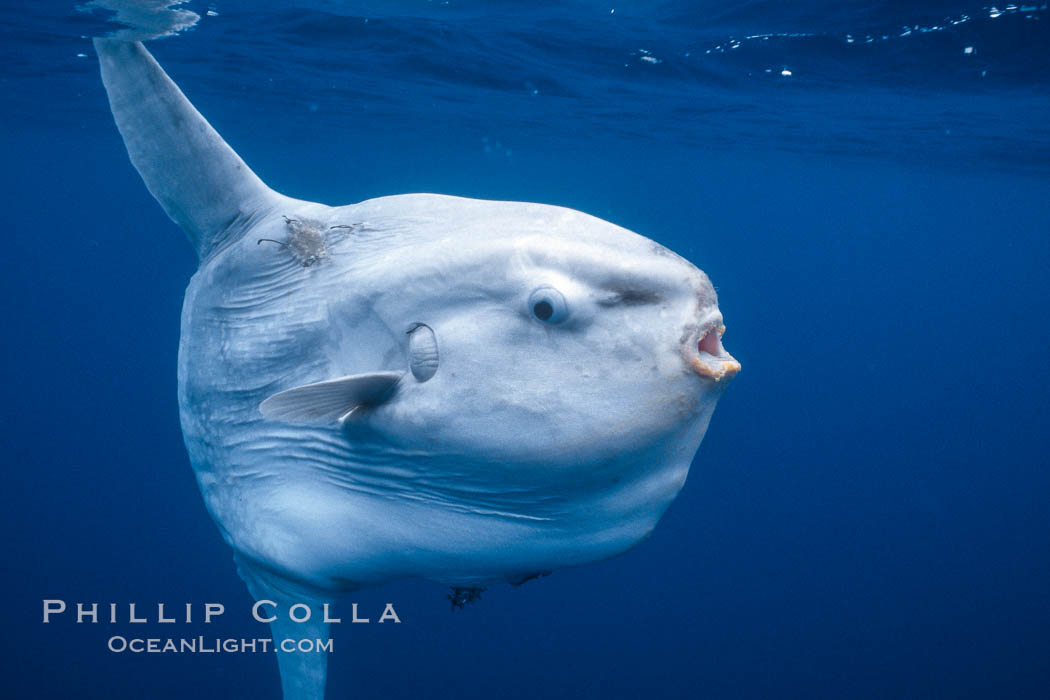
{"x":330,"y":401}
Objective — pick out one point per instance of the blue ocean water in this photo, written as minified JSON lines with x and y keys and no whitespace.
{"x":866,"y":184}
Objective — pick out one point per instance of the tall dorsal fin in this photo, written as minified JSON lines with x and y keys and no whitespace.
{"x":203,"y":185}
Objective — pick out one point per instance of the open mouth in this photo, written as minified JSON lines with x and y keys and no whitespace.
{"x":711,"y":359}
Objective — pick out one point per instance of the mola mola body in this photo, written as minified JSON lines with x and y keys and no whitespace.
{"x":419,"y":385}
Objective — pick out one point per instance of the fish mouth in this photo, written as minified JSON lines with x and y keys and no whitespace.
{"x":704,"y":353}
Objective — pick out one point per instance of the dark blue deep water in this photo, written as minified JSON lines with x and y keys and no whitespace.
{"x":868,"y":185}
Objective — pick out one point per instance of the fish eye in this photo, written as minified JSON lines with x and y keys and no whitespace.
{"x":548,"y":305}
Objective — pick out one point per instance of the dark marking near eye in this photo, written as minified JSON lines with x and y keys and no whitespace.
{"x":630,"y":297}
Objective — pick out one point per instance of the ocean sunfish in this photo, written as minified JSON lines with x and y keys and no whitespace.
{"x":427,"y":386}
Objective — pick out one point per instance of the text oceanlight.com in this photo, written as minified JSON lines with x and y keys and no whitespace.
{"x":215,"y":645}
